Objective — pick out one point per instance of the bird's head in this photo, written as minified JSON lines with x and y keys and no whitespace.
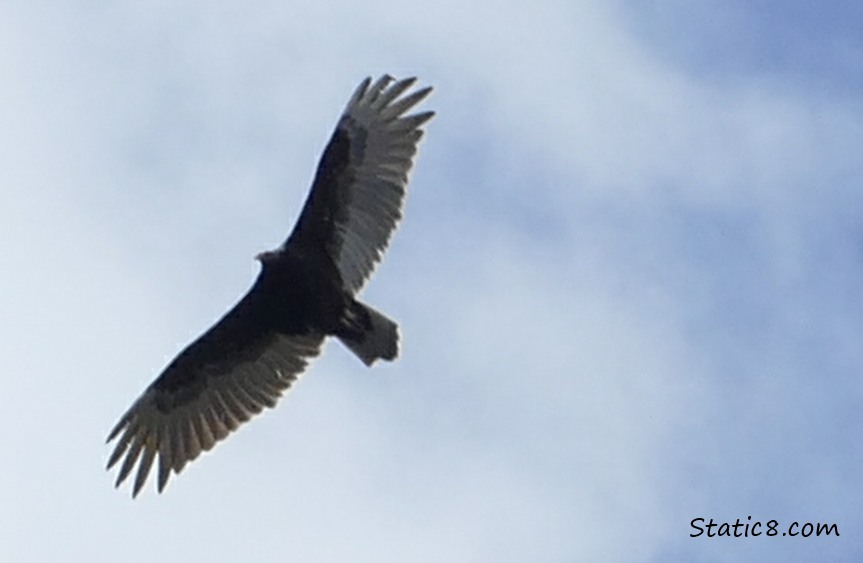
{"x":266,"y":256}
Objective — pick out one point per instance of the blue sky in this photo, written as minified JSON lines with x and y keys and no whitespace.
{"x":628,"y":281}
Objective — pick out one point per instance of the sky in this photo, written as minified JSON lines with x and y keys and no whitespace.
{"x":628,"y":280}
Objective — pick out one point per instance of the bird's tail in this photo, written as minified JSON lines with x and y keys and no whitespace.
{"x":369,"y":334}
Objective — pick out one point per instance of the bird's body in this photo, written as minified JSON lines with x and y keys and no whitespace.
{"x":306,"y":291}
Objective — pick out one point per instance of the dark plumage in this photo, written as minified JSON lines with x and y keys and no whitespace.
{"x":305,"y":292}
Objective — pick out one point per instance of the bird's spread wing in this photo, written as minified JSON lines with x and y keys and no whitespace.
{"x":358,"y":192}
{"x":220,"y":381}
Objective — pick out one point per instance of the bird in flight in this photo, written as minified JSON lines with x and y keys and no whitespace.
{"x":306,"y":291}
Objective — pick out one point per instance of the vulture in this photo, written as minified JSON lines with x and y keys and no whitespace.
{"x":306,"y":291}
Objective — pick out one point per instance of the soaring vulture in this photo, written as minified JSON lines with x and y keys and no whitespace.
{"x":306,"y":291}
